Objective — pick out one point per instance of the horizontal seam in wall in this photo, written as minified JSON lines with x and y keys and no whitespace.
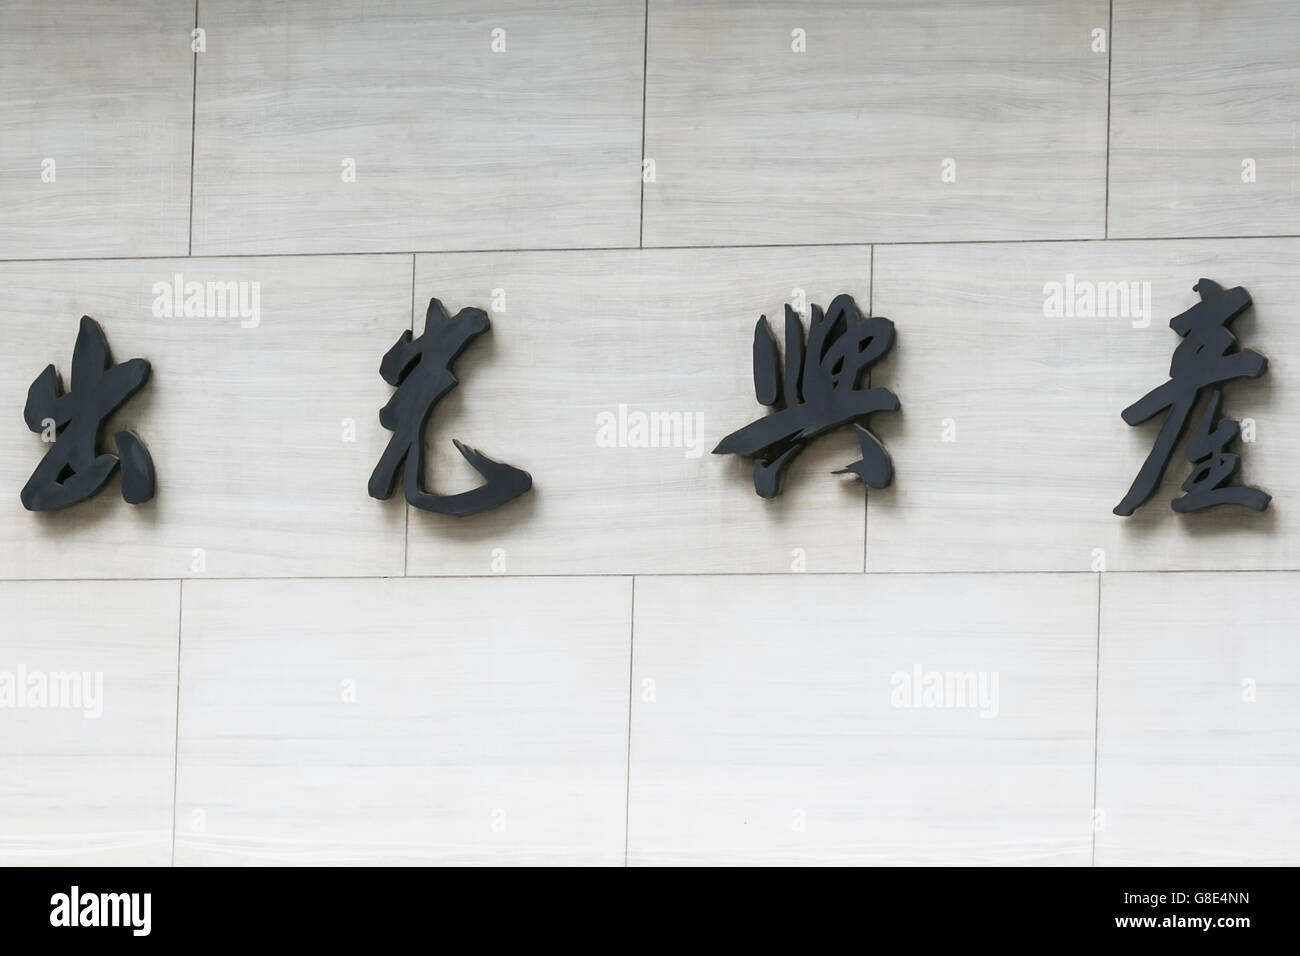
{"x":864,"y":244}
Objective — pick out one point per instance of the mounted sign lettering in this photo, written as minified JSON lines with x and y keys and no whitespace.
{"x":420,"y":370}
{"x":73,"y":469}
{"x":1208,"y":355}
{"x":818,"y":392}
{"x":816,"y":388}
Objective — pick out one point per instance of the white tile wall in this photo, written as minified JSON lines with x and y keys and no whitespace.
{"x":1203,"y":126}
{"x":403,"y":721}
{"x":89,"y":781}
{"x":454,"y":146}
{"x":769,"y":726}
{"x":625,"y":665}
{"x":95,"y":128}
{"x":851,"y":140}
{"x":1197,"y":754}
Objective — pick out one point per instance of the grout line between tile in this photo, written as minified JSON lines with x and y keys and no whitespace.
{"x":696,"y":248}
{"x":645,"y":73}
{"x":871,"y":281}
{"x":649,"y":574}
{"x":406,"y":511}
{"x":871,"y":303}
{"x":1096,"y":725}
{"x":176,"y":744}
{"x":866,"y":512}
{"x":627,"y":784}
{"x":194,"y":125}
{"x":1110,"y":60}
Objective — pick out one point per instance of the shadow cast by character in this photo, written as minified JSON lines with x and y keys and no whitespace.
{"x":74,"y":469}
{"x":818,"y":391}
{"x":420,"y":370}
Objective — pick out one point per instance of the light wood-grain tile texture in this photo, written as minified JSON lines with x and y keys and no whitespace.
{"x":628,"y":665}
{"x":1203,"y":124}
{"x":1198,"y":759}
{"x":95,"y":120}
{"x":788,"y":720}
{"x":901,"y":122}
{"x":87,"y":722}
{"x":333,"y":127}
{"x":403,"y":721}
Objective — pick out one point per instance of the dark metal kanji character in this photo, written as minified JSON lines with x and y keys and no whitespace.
{"x":819,"y":391}
{"x":420,"y":370}
{"x":1208,"y":355}
{"x":73,"y":469}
